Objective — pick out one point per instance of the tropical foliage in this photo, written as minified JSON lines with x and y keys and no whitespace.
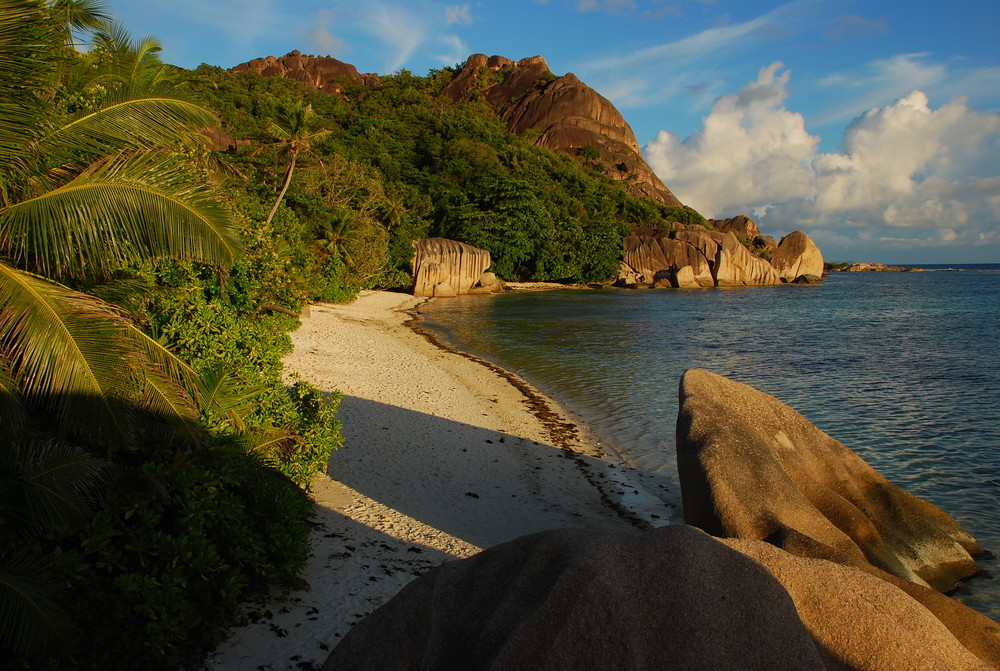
{"x":149,"y":447}
{"x":104,"y":188}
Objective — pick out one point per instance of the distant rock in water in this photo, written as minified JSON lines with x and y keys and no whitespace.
{"x":872,"y":267}
{"x":730,"y":256}
{"x":669,"y":598}
{"x":797,"y":255}
{"x":323,"y":72}
{"x":694,"y":257}
{"x":563,"y":113}
{"x":443,"y":267}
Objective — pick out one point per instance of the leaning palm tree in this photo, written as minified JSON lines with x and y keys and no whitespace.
{"x":294,"y":131}
{"x":83,"y":192}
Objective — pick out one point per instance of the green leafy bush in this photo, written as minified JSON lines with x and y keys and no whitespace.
{"x":159,"y":571}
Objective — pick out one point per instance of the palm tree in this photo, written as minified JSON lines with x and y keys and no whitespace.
{"x":295,"y":133}
{"x":85,"y":190}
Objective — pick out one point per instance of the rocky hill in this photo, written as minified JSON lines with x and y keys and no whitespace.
{"x":558,"y":113}
{"x":564,"y":113}
{"x":323,"y":72}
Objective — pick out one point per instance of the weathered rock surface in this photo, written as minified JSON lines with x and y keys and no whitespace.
{"x":587,"y":599}
{"x":323,"y":72}
{"x":445,"y":268}
{"x":670,"y":598}
{"x":797,"y":255}
{"x":861,"y":622}
{"x":694,"y":257}
{"x":741,"y":225}
{"x":567,"y":115}
{"x":752,"y":467}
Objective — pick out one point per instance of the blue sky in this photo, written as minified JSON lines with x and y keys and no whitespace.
{"x":873,"y":126}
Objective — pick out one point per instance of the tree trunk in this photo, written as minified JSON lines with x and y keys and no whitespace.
{"x":284,"y":187}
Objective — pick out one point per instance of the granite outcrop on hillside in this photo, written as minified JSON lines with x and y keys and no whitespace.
{"x":323,"y":72}
{"x":672,"y":597}
{"x":564,"y":114}
{"x":445,"y":268}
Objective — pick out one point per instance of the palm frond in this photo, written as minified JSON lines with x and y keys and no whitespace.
{"x":30,"y":620}
{"x":47,"y":486}
{"x":80,"y":14}
{"x":66,"y":353}
{"x":27,"y":37}
{"x":12,"y":413}
{"x":131,"y":208}
{"x":170,"y":404}
{"x":272,"y":445}
{"x":132,"y":116}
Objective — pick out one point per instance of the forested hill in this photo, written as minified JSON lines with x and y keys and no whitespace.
{"x":382,"y":162}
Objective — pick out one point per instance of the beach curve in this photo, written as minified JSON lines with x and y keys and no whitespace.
{"x":445,"y":454}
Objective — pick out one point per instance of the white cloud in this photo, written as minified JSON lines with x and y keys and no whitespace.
{"x":319,"y":37}
{"x":909,"y":175}
{"x":457,"y":50}
{"x":458,"y":14}
{"x":751,"y":151}
{"x":400,"y":30}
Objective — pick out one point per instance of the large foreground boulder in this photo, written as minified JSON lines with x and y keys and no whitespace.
{"x":670,"y":598}
{"x":752,"y":467}
{"x":444,"y":268}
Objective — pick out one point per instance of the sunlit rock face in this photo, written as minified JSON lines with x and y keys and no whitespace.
{"x":323,"y":72}
{"x":797,"y":255}
{"x":443,"y":268}
{"x":695,"y":257}
{"x":559,"y":113}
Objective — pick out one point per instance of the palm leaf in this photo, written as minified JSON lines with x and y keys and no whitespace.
{"x":30,"y":620}
{"x":80,"y":14}
{"x":11,"y":410}
{"x":66,"y":353}
{"x":128,"y":209}
{"x":221,"y":393}
{"x":27,"y":36}
{"x":132,"y":116}
{"x":49,"y":486}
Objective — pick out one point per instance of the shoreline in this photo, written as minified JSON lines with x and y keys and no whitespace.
{"x":445,"y":454}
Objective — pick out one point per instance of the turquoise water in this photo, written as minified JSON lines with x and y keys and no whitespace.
{"x":900,"y":367}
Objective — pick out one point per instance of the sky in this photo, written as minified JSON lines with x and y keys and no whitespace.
{"x":874,"y":126}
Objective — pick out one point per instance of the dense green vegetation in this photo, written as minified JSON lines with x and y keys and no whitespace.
{"x":401,"y":162}
{"x":152,"y":460}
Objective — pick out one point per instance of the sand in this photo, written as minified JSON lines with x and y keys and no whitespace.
{"x":444,"y":455}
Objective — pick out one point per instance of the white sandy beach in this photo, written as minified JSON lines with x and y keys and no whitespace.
{"x":443,"y":455}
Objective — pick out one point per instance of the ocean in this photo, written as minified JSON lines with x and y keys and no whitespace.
{"x":902,"y":368}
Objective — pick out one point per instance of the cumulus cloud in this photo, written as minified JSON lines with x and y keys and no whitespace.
{"x":909,"y":176}
{"x":751,"y":151}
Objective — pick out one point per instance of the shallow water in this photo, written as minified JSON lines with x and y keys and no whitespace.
{"x":900,"y":367}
